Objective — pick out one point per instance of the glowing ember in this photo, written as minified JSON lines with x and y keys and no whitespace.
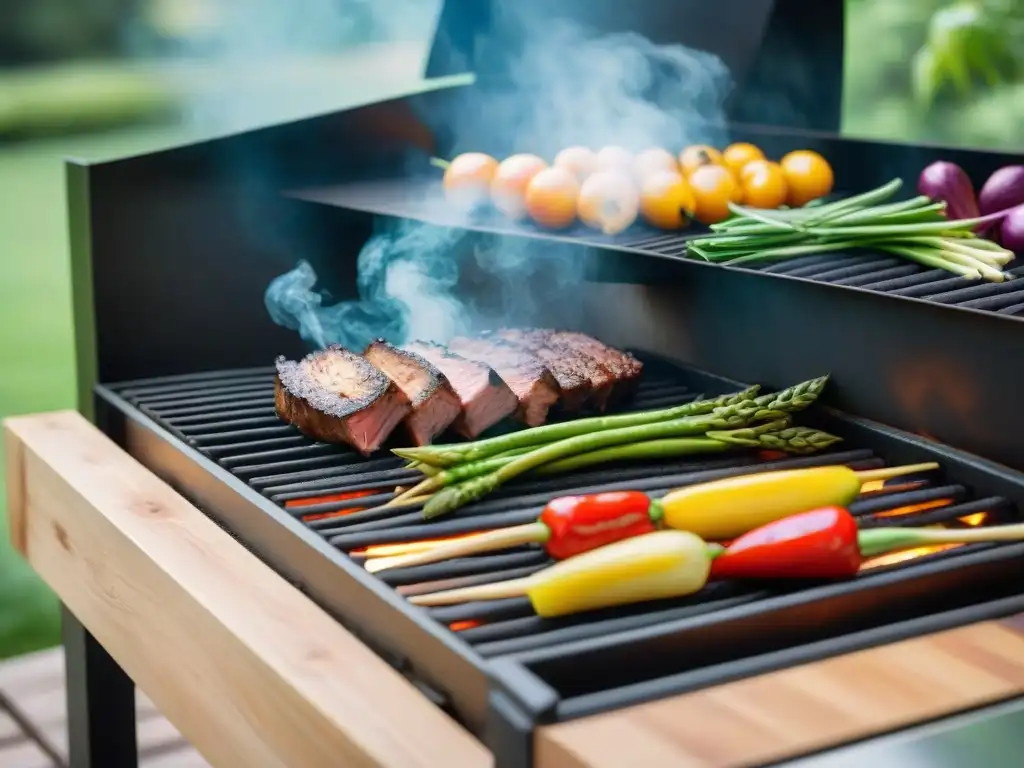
{"x":458,"y":626}
{"x":912,"y":508}
{"x":975,"y":519}
{"x":907,"y":554}
{"x":309,"y":502}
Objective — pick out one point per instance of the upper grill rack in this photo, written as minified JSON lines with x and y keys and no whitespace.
{"x":868,"y":271}
{"x":229,"y":417}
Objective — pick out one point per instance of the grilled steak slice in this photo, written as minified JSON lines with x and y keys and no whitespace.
{"x":335,"y":396}
{"x":485,"y":397}
{"x":625,"y":368}
{"x":531,"y":381}
{"x":582,"y":378}
{"x":434,"y":403}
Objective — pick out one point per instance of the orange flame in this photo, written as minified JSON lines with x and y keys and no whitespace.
{"x":907,"y":554}
{"x":912,"y":508}
{"x":312,"y":500}
{"x":458,"y":626}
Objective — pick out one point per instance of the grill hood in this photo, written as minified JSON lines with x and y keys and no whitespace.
{"x":785,"y":56}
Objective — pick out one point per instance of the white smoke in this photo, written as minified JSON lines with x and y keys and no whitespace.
{"x":571,"y":87}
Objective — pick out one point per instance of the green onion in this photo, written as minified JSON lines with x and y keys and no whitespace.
{"x":914,"y":229}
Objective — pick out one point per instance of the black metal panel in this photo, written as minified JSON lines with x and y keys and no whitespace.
{"x":786,"y":56}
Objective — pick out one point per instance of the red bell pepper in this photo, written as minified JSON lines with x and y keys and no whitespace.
{"x":818,"y":544}
{"x":826,"y":544}
{"x":577,"y":524}
{"x":568,"y":526}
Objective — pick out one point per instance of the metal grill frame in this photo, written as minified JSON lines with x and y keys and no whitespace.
{"x":502,"y":699}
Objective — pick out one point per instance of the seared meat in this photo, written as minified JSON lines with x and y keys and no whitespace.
{"x":485,"y":398}
{"x":582,"y":378}
{"x":526,"y":375}
{"x":336,"y":396}
{"x":434,"y":403}
{"x":623,"y":366}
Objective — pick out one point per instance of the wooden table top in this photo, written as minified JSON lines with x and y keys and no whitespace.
{"x":262,"y":676}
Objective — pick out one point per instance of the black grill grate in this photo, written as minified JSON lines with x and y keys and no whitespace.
{"x":230,"y":418}
{"x":413,"y":199}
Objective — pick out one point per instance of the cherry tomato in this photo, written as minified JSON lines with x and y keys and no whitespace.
{"x":714,"y":187}
{"x":808,"y":176}
{"x":736,"y":156}
{"x":666,"y":200}
{"x":692,"y":158}
{"x":467,"y":179}
{"x":764,"y":184}
{"x":551,"y":198}
{"x":508,"y":187}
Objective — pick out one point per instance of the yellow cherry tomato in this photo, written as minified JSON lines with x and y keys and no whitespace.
{"x":808,"y":176}
{"x":764,"y":184}
{"x":692,"y":158}
{"x":736,"y":156}
{"x":666,"y":200}
{"x":714,"y":187}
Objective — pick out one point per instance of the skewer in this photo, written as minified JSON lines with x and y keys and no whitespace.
{"x":538,"y":533}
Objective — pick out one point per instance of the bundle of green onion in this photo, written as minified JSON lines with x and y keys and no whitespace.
{"x":461,"y":473}
{"x":915,"y":229}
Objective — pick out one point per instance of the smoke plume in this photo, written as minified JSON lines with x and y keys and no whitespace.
{"x":570,"y":87}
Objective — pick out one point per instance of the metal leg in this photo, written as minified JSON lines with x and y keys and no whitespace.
{"x":100,"y":701}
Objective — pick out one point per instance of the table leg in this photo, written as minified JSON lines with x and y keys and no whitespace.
{"x":100,"y":702}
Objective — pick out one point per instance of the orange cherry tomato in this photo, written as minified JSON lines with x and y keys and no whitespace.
{"x":508,"y":187}
{"x":467,"y":179}
{"x":692,"y":158}
{"x":714,"y":187}
{"x":764,"y":184}
{"x":738,"y":155}
{"x":808,"y":176}
{"x":609,"y":201}
{"x":666,"y":200}
{"x":551,"y":198}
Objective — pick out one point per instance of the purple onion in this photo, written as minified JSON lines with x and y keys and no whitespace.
{"x":1004,"y":189}
{"x":1011,"y":230}
{"x":949,"y":183}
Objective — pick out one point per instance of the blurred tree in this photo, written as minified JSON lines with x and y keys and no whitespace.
{"x":34,"y":31}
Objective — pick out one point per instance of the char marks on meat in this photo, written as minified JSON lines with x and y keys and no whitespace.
{"x":624,"y":368}
{"x":336,"y":396}
{"x":584,"y":379}
{"x":433,"y":402}
{"x":485,"y":397}
{"x":526,"y":375}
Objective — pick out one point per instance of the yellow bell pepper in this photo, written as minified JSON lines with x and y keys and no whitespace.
{"x":650,"y":567}
{"x":725,"y":509}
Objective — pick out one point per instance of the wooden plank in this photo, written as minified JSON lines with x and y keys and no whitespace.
{"x":34,"y":683}
{"x":802,"y":709}
{"x":250,"y":670}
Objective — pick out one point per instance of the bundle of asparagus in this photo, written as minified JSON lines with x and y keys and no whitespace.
{"x":460,"y":474}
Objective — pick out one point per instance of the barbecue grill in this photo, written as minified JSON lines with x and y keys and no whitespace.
{"x":172,"y":252}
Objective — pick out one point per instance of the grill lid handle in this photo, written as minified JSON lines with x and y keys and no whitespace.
{"x":785,"y":56}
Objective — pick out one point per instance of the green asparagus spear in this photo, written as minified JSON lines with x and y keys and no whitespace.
{"x":738,"y":415}
{"x":453,"y":454}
